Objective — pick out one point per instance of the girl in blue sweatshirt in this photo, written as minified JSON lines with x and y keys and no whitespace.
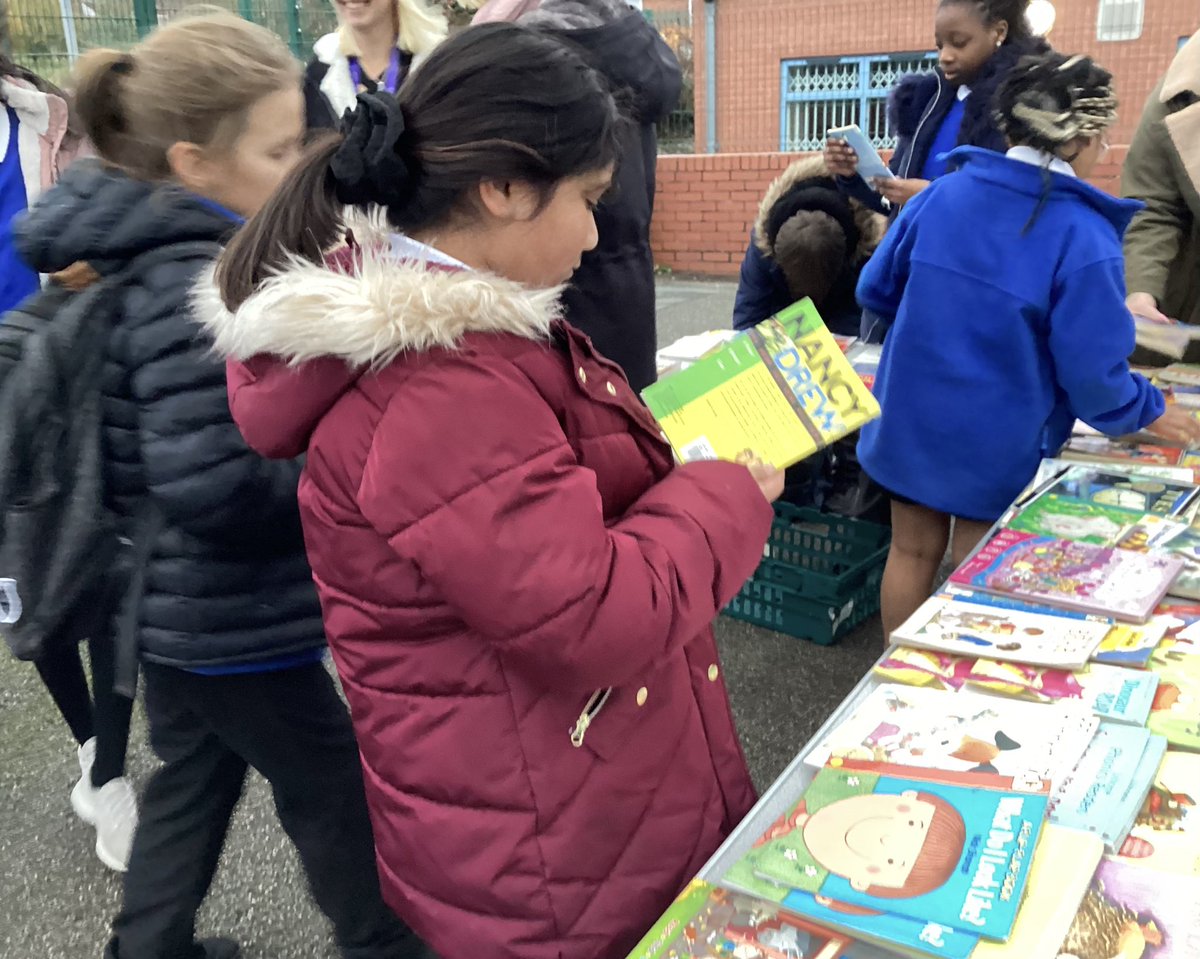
{"x":1005,"y":290}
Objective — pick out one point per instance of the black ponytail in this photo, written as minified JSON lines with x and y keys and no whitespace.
{"x":494,"y":102}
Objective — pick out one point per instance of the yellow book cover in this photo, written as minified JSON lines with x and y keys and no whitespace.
{"x":778,"y":392}
{"x":1063,"y":866}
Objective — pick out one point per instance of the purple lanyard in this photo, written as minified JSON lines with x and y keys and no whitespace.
{"x":391,"y":79}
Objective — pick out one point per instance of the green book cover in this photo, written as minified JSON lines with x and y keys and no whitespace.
{"x":1081,"y":521}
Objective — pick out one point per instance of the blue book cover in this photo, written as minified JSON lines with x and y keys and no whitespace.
{"x":1105,"y":791}
{"x":933,"y":851}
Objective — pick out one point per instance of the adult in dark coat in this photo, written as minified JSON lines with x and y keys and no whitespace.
{"x":611,"y":296}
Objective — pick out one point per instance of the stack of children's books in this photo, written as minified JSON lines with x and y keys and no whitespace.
{"x":1021,"y":781}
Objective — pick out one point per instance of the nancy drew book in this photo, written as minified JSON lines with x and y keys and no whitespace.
{"x":1077,"y":576}
{"x":965,"y":628}
{"x":936,"y":852}
{"x":1166,"y":834}
{"x":708,"y":922}
{"x":1131,"y":913}
{"x":960,"y":732}
{"x":780,"y":391}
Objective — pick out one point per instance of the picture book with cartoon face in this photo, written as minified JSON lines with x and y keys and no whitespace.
{"x":1166,"y":835}
{"x":1105,"y":790}
{"x":1130,"y":913}
{"x":1084,"y":521}
{"x":973,"y":629}
{"x":1078,"y":576}
{"x":708,"y":922}
{"x":940,"y":853}
{"x":961,"y":732}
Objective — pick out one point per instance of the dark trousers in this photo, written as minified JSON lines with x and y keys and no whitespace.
{"x":102,"y":712}
{"x":291,"y":726}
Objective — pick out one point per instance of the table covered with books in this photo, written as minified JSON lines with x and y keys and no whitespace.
{"x":1018,"y":776}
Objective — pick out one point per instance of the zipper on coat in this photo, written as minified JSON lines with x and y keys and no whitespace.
{"x":588,"y":716}
{"x":916,"y":135}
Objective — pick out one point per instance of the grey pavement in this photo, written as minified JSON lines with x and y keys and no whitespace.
{"x":57,"y":899}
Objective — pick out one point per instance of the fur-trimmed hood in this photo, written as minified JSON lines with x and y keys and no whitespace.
{"x":368,"y":316}
{"x":810,"y":173}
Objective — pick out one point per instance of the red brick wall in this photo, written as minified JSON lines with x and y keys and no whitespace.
{"x":706,"y":205}
{"x":754,"y":36}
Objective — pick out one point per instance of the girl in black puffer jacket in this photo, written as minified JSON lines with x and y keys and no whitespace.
{"x":195,"y":128}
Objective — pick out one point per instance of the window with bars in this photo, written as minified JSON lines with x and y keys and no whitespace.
{"x":1120,"y":19}
{"x":835,"y":92}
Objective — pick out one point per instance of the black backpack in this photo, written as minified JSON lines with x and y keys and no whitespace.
{"x":58,"y":541}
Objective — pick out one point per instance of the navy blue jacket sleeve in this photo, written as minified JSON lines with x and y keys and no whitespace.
{"x":762,"y":289}
{"x":1091,"y":334}
{"x":855,"y":187}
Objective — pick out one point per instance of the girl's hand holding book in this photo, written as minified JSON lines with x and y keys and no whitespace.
{"x":768,"y":477}
{"x":898,"y":192}
{"x":1143,"y":304}
{"x":840,"y":158}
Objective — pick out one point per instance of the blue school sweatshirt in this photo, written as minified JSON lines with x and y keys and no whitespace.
{"x":1004,"y":331}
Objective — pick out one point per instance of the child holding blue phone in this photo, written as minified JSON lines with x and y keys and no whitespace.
{"x":1004,"y":288}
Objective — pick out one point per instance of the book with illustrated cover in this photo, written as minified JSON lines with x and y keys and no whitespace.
{"x":965,"y":628}
{"x":1166,"y":834}
{"x":1133,"y":488}
{"x":780,"y":391}
{"x":1063,"y":866}
{"x":1185,"y":374}
{"x":1113,"y":693}
{"x":1175,"y":712}
{"x":899,"y":935}
{"x":924,"y":667}
{"x":950,"y":854}
{"x":1084,"y":521}
{"x":1104,"y":449}
{"x":1078,"y":576}
{"x":1125,"y":644}
{"x":1130,"y":913}
{"x":1105,"y":790}
{"x":707,"y":921}
{"x":960,"y":732}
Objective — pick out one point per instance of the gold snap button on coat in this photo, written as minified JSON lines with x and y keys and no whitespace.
{"x":713,"y":673}
{"x":612,"y":390}
{"x":582,"y":375}
{"x":642,"y":695}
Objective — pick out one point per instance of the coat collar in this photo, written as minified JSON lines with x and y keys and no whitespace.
{"x":1183,"y":76}
{"x":369,"y":315}
{"x":1180,"y":96}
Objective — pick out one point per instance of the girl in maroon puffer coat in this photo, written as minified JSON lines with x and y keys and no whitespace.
{"x":517,"y":582}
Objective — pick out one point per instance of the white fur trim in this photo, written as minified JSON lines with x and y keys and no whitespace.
{"x":369,"y":318}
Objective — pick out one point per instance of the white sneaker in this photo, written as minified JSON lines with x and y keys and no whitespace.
{"x":83,"y":796}
{"x":116,"y":819}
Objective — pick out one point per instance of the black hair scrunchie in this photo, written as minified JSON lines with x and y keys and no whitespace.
{"x":368,"y":167}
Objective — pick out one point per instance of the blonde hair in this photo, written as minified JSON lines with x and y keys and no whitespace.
{"x":419,"y":28}
{"x":193,"y":80}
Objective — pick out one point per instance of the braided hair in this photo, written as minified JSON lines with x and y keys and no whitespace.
{"x":1011,"y":12}
{"x":1049,"y":101}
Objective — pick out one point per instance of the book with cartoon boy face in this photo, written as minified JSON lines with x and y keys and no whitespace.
{"x":942,"y":853}
{"x":961,"y":732}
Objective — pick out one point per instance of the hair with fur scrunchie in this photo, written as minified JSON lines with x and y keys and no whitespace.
{"x":369,"y":167}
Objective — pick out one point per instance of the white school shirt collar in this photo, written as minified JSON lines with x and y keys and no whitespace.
{"x":1037,"y":158}
{"x":406,"y":248}
{"x":964,"y":91}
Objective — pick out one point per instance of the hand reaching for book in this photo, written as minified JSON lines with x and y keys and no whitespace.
{"x":768,"y":477}
{"x":1143,"y":304}
{"x":1177,"y":425}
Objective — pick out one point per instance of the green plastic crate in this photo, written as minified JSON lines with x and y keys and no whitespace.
{"x":821,"y":578}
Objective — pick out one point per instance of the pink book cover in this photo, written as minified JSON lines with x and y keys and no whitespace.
{"x":1078,"y":576}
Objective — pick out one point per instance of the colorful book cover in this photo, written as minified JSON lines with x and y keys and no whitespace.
{"x":960,"y":733}
{"x":1175,"y":712}
{"x":1126,"y":488}
{"x":1102,"y":448}
{"x":780,"y":391}
{"x":901,"y":935}
{"x":1096,"y":579}
{"x":1063,"y":866}
{"x":1111,"y":692}
{"x":1105,"y":790}
{"x":1130,"y":913}
{"x":709,"y":922}
{"x":965,"y":629}
{"x":1084,"y":521}
{"x":1166,"y":835}
{"x":941,"y":853}
{"x":924,"y":667}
